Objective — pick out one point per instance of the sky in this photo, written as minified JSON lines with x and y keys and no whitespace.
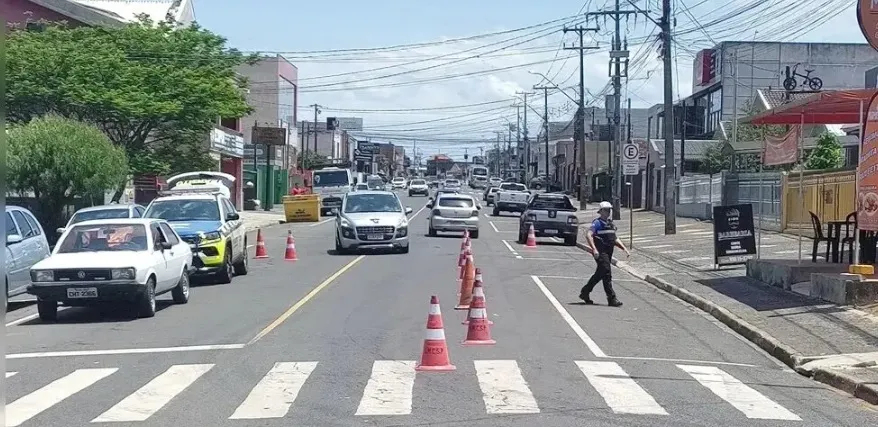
{"x":430,"y":89}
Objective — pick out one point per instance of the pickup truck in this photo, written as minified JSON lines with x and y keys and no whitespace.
{"x":552,"y":215}
{"x":511,"y":197}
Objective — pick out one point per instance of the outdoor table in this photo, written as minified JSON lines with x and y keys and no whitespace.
{"x":833,"y":232}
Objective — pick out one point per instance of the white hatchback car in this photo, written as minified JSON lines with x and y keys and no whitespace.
{"x":113,"y":260}
{"x":454,"y":212}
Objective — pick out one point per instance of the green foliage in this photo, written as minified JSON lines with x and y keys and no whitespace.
{"x":748,"y":132}
{"x":828,"y":154}
{"x":311,"y":159}
{"x":58,"y":159}
{"x":148,"y":86}
{"x":715,"y":160}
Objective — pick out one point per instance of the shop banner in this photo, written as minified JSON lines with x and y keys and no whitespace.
{"x":867,"y":16}
{"x":734,"y":238}
{"x":867,"y":178}
{"x":782,"y":150}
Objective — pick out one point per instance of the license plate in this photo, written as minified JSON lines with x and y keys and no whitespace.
{"x":82,"y":292}
{"x":455,"y":222}
{"x":375,"y":237}
{"x":550,"y":231}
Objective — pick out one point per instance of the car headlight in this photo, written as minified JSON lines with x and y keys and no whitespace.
{"x":42,"y":275}
{"x":123,"y":274}
{"x":403,"y":223}
{"x":345,"y":223}
{"x":213,"y":235}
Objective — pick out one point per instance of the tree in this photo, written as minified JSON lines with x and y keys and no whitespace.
{"x":58,"y":159}
{"x":312,"y":159}
{"x":748,"y":132}
{"x":152,"y":88}
{"x":828,"y":154}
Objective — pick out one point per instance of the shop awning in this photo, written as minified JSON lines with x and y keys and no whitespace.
{"x":824,"y":108}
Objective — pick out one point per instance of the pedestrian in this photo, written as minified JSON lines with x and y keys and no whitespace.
{"x":297,"y":190}
{"x":601,"y":237}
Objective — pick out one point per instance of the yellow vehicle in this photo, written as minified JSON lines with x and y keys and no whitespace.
{"x":207,"y":220}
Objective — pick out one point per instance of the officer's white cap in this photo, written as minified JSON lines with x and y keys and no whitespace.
{"x":605,"y":205}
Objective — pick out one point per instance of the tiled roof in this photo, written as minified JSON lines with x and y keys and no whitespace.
{"x":695,"y":148}
{"x":79,"y":12}
{"x":128,"y":10}
{"x":772,"y":98}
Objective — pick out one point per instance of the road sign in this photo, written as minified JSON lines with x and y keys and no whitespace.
{"x":630,"y":159}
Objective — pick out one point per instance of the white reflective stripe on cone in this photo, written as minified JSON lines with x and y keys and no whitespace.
{"x":478,"y":313}
{"x":435,"y":334}
{"x":434,"y":309}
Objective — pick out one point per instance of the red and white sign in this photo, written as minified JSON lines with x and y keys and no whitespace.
{"x":782,"y":150}
{"x":867,"y":171}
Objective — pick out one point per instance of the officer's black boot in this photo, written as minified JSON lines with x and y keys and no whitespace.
{"x":614,"y":302}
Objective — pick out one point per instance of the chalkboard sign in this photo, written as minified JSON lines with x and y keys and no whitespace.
{"x":734,"y":240}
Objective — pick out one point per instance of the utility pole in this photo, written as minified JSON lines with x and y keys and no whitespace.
{"x":497,"y":153}
{"x":579,"y":126}
{"x":525,"y":159}
{"x":508,"y":153}
{"x":670,"y":184}
{"x":316,"y":112}
{"x":545,"y":90}
{"x":518,"y":139}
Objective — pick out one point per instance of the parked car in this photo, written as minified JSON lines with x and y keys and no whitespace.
{"x":104,"y":212}
{"x":453,"y":212}
{"x":26,"y":245}
{"x":552,"y":215}
{"x":129,"y":260}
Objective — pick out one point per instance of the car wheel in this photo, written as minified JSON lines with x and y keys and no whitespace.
{"x":146,"y":304}
{"x":496,"y":211}
{"x":339,"y":249}
{"x":180,"y":293}
{"x":243,"y":266}
{"x":47,"y":310}
{"x":522,"y":237}
{"x":404,"y":250}
{"x":431,"y":231}
{"x":474,"y":234}
{"x":225,"y":274}
{"x":570,"y":241}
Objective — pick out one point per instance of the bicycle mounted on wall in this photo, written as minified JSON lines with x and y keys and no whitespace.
{"x":790,"y":83}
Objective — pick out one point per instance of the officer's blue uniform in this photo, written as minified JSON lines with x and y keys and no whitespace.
{"x":604,"y":235}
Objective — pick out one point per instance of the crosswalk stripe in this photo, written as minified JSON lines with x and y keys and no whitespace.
{"x":745,"y":399}
{"x":504,"y":389}
{"x":389,"y":390}
{"x":618,"y":390}
{"x":146,"y":401}
{"x":32,"y":404}
{"x":10,"y":374}
{"x":276,"y":391}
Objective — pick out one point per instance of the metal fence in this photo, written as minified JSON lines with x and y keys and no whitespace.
{"x":762,"y":190}
{"x":701,"y":189}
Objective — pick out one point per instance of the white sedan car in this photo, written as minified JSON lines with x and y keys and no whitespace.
{"x":114,"y":260}
{"x":453,"y":212}
{"x":398,"y":183}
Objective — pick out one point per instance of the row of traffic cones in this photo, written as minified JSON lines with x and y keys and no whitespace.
{"x":289,"y":254}
{"x":434,"y":356}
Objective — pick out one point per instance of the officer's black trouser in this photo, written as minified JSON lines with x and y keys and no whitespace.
{"x":602,"y":273}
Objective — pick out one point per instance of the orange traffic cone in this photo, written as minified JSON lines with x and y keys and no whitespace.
{"x":290,"y":254}
{"x":479,"y":331}
{"x":466,"y":235}
{"x":478,"y":292}
{"x":531,"y":237}
{"x":461,"y":263}
{"x":466,"y":285}
{"x":261,"y":253}
{"x":435,"y":354}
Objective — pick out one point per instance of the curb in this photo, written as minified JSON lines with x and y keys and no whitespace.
{"x":786,"y":354}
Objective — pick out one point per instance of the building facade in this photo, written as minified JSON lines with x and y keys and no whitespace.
{"x":227,"y":148}
{"x":99,"y":13}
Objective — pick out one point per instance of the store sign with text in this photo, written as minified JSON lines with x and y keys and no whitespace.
{"x":734,"y":238}
{"x":226,"y":143}
{"x":867,"y":171}
{"x":867,"y":16}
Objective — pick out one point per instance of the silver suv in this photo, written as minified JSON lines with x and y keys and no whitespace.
{"x":372,"y":220}
{"x":26,"y":245}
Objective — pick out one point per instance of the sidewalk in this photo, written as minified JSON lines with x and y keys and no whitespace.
{"x":260,"y":218}
{"x":841,"y":343}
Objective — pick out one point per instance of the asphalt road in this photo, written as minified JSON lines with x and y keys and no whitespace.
{"x":331,"y":340}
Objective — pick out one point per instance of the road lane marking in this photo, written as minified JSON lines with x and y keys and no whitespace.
{"x":124,"y":351}
{"x":504,"y":389}
{"x":53,"y":393}
{"x":418,"y":212}
{"x":750,"y":402}
{"x":10,"y":374}
{"x":618,"y":390}
{"x":508,"y":246}
{"x":389,"y":390}
{"x":30,"y":317}
{"x":550,"y":259}
{"x":659,"y":359}
{"x":656,"y":246}
{"x":295,"y":307}
{"x":592,"y":346}
{"x":321,"y":222}
{"x":493,"y":226}
{"x":276,"y":391}
{"x":152,"y":397}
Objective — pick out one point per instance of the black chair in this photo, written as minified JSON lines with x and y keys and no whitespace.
{"x":819,"y":237}
{"x":849,"y":236}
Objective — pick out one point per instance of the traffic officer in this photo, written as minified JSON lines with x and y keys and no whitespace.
{"x":602,"y":240}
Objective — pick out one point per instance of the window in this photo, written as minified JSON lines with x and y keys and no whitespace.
{"x":512,"y":187}
{"x":363,"y":203}
{"x":26,"y":230}
{"x":455,"y":202}
{"x":138,"y":212}
{"x":33,"y":224}
{"x":554,"y":203}
{"x":104,"y":237}
{"x":185,"y":210}
{"x":419,"y":182}
{"x":157,"y":236}
{"x":336,"y":178}
{"x":10,"y":225}
{"x":170,"y":236}
{"x":230,"y":208}
{"x":99,"y":214}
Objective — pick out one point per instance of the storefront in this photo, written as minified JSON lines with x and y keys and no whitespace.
{"x":227,"y":148}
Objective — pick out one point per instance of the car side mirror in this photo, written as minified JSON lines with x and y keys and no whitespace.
{"x":13,"y":239}
{"x":60,"y":230}
{"x":232,"y":216}
{"x":478,"y":207}
{"x":165,"y":246}
{"x":430,"y":205}
{"x":408,"y":210}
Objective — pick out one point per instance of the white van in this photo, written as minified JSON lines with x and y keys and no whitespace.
{"x":331,"y":184}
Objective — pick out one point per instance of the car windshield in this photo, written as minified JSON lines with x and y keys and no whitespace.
{"x":398,"y":179}
{"x":452,"y":182}
{"x":362,"y":187}
{"x":331,"y":179}
{"x":184,"y":210}
{"x":99,"y":214}
{"x":362,"y":203}
{"x":374,"y":182}
{"x":455,"y":202}
{"x":419,"y":182}
{"x":511,"y":186}
{"x":103,"y":238}
{"x":554,"y":203}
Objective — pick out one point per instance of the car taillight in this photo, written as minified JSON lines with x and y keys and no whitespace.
{"x":572,"y":220}
{"x":475,"y":213}
{"x":436,"y":212}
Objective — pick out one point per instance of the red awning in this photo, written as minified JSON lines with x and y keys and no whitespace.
{"x":825,"y":108}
